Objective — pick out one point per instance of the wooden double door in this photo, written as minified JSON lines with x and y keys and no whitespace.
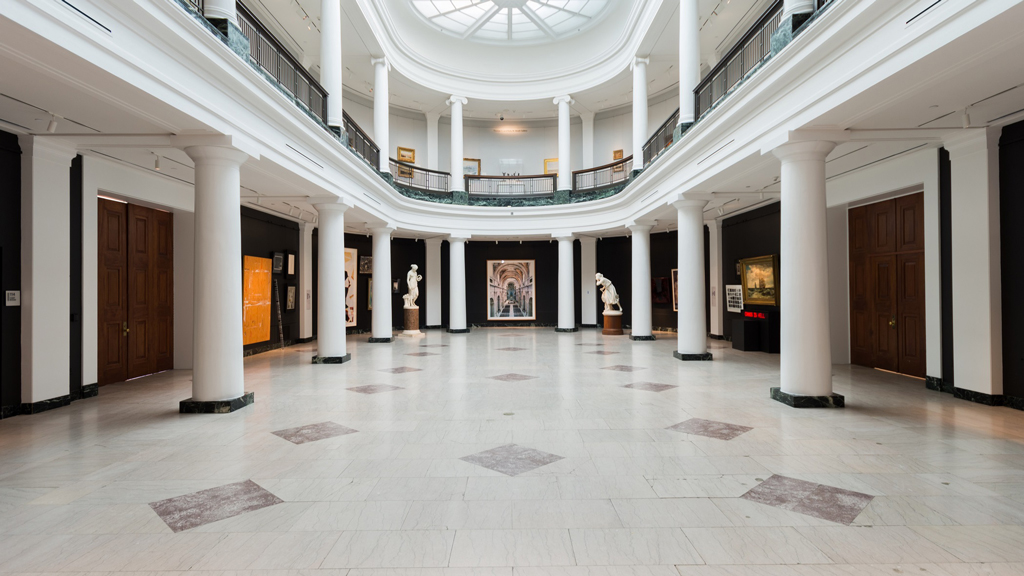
{"x":887,"y":292}
{"x":136,"y":291}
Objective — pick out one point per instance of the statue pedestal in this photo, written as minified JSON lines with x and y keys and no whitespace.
{"x":412,"y":321}
{"x":612,"y":323}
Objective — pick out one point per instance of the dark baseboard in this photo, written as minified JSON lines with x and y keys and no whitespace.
{"x":87,"y":391}
{"x":650,"y":338}
{"x":512,"y":324}
{"x":833,"y":401}
{"x":716,"y":336}
{"x":28,"y":408}
{"x":567,"y":330}
{"x":217,"y":406}
{"x":459,"y":331}
{"x":590,"y":325}
{"x":373,"y":340}
{"x":332,"y":359}
{"x":438,"y":327}
{"x":937,"y":384}
{"x":44,"y":405}
{"x":9,"y":411}
{"x":705,"y":357}
{"x":978,"y":397}
{"x":1014,"y":402}
{"x":305,"y":340}
{"x":265,"y":347}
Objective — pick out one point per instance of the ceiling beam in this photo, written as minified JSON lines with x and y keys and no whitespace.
{"x":491,"y":13}
{"x":538,"y":21}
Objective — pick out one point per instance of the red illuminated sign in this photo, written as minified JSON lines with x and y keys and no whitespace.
{"x":758,"y":315}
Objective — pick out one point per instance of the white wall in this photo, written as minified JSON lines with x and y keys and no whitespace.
{"x":913,"y":172}
{"x":614,"y":131}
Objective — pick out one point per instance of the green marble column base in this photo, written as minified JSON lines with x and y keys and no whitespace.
{"x":833,"y":401}
{"x":381,"y":340}
{"x":648,"y":338}
{"x":679,"y":130}
{"x":787,"y":31}
{"x":562,"y":196}
{"x":458,"y":331}
{"x":567,"y":330}
{"x":636,"y":171}
{"x":460,"y":197}
{"x":191,"y":406}
{"x":234,"y":38}
{"x":332,"y":359}
{"x":705,"y":357}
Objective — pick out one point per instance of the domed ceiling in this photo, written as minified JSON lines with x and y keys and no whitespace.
{"x":511,"y":21}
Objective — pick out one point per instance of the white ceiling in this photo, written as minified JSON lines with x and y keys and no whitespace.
{"x":510,"y":22}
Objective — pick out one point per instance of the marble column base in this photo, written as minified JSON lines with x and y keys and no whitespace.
{"x":833,"y":401}
{"x":234,"y":37}
{"x":332,"y":359}
{"x":191,"y":406}
{"x":373,"y":340}
{"x":567,"y":330}
{"x":679,"y":130}
{"x":562,"y":196}
{"x":787,"y":31}
{"x":647,"y":338}
{"x":590,"y":325}
{"x":458,"y":331}
{"x":705,"y":357}
{"x":460,"y":197}
{"x":937,"y":384}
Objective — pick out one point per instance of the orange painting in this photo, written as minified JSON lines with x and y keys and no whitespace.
{"x":255,"y":299}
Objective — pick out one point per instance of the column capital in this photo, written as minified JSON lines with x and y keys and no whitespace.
{"x":564,"y":98}
{"x":811,"y":150}
{"x":639,"y":61}
{"x":382,"y":229}
{"x":775,"y":141}
{"x":382,"y":61}
{"x":641,"y":226}
{"x":587,"y":239}
{"x":459,"y":238}
{"x":223,"y":153}
{"x":453,"y":99}
{"x":336,"y":205}
{"x":689,"y":203}
{"x":49,"y":148}
{"x":970,"y":140}
{"x":563,"y":236}
{"x":435,"y":241}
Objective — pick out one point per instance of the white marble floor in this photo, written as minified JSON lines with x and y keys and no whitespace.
{"x":595,"y":483}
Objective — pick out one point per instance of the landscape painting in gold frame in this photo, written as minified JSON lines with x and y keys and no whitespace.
{"x":551,"y":165}
{"x":760,"y":280}
{"x":407,"y":155}
{"x":616,"y":156}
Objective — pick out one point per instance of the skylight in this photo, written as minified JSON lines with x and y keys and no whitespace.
{"x":511,"y":21}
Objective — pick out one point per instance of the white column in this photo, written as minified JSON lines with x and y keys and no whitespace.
{"x":457,"y":182}
{"x":330,"y":58}
{"x":790,"y":7}
{"x":689,"y":59}
{"x":566,"y":285}
{"x":976,"y":252}
{"x":806,"y":352}
{"x":331,"y":316}
{"x":45,"y":264}
{"x":457,"y":285}
{"x":641,"y":281}
{"x":432,"y":281}
{"x":217,"y":356}
{"x":381,"y":317}
{"x":717,"y":295}
{"x":588,"y":269}
{"x":692,"y":326}
{"x":432,"y":118}
{"x":381,"y":114}
{"x":588,"y":139}
{"x":639,"y":108}
{"x":220,"y":9}
{"x":305,"y":302}
{"x":564,"y":147}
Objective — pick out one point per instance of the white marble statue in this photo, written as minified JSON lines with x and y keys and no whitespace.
{"x":412,"y":279}
{"x":609,"y":295}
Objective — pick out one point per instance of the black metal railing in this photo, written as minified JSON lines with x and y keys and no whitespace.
{"x":601,"y":177}
{"x":271,"y":56}
{"x":419,"y":178}
{"x":197,"y":5}
{"x":362,"y":144}
{"x":662,"y":138}
{"x":502,"y":186}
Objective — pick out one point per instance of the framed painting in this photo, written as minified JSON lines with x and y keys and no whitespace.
{"x":351,"y":286}
{"x":407,"y":155}
{"x":511,"y":293}
{"x":256,"y":293}
{"x":366,"y":264}
{"x":675,"y":289}
{"x":291,"y":264}
{"x":369,"y":295}
{"x":471,"y":167}
{"x":760,"y":280}
{"x":278,"y":262}
{"x":551,"y":165}
{"x":616,"y":156}
{"x":291,"y":298}
{"x":660,"y":286}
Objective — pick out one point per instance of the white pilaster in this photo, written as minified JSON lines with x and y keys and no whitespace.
{"x":381,"y":114}
{"x":790,"y":7}
{"x":305,"y":302}
{"x":432,"y":277}
{"x":692,"y":327}
{"x":639,"y":107}
{"x":588,"y":269}
{"x":566,"y":285}
{"x":381,"y":317}
{"x":806,"y":354}
{"x":45,"y":264}
{"x":641,"y":282}
{"x":432,"y":118}
{"x":331,"y":315}
{"x":717,"y":295}
{"x":457,"y":284}
{"x":564,"y":144}
{"x":976,"y":252}
{"x":588,"y":139}
{"x":330,"y":58}
{"x":217,"y":356}
{"x":90,"y":272}
{"x":458,"y":184}
{"x":689,"y":59}
{"x":220,"y":9}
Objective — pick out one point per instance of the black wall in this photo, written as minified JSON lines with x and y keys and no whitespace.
{"x":75,"y":228}
{"x":1011,"y":212}
{"x":262,"y":235}
{"x":946,"y":262}
{"x":404,"y":253}
{"x":10,"y":274}
{"x":751,"y":234}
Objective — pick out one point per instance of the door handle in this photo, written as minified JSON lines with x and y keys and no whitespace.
{"x":892,"y":323}
{"x":124,"y":327}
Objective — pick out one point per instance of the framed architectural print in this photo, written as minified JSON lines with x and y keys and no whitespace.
{"x":366,"y":264}
{"x":471,"y":167}
{"x":760,"y":280}
{"x":291,"y":298}
{"x":675,"y":289}
{"x":551,"y":165}
{"x":616,"y":156}
{"x":278,"y":262}
{"x":351,"y":286}
{"x":407,"y":155}
{"x":511,"y":293}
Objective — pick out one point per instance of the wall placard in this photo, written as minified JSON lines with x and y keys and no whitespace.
{"x":734,"y":298}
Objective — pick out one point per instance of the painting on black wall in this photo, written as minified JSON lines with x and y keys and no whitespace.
{"x":366,"y":264}
{"x":511,"y":293}
{"x":760,"y":280}
{"x":675,"y":289}
{"x":291,"y":298}
{"x":660,"y":290}
{"x":278,"y":262}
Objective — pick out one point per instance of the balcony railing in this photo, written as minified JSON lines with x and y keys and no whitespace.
{"x":419,"y":178}
{"x":662,"y":138}
{"x":519,"y":186}
{"x":359,"y":141}
{"x":607,"y":176}
{"x":197,"y":5}
{"x":268,"y":53}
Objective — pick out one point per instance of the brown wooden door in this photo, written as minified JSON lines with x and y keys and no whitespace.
{"x":911,"y":319}
{"x":150,"y":291}
{"x":113,"y":292}
{"x":862,"y":346}
{"x":162,"y":277}
{"x":883,"y":318}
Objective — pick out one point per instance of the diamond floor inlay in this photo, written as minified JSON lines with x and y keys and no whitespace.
{"x":313,"y":432}
{"x":401,"y":370}
{"x":809,"y":498}
{"x":511,"y":349}
{"x":433,"y":345}
{"x":375,"y":388}
{"x":422,"y":354}
{"x":650,"y":386}
{"x":511,"y":459}
{"x":512,"y":377}
{"x":603,"y":352}
{"x":623,"y":368}
{"x":206,"y":506}
{"x":710,"y":428}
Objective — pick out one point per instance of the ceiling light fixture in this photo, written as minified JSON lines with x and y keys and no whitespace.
{"x":52,"y":126}
{"x":156,"y":164}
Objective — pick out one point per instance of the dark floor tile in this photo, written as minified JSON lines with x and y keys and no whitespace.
{"x":603,"y":352}
{"x":421,"y":354}
{"x":511,"y":349}
{"x":401,"y":370}
{"x":313,"y":432}
{"x":817,"y":500}
{"x":375,"y":388}
{"x":511,"y":459}
{"x":512,"y":377}
{"x":433,"y":345}
{"x":650,"y":386}
{"x":780,"y":491}
{"x":710,"y":428}
{"x":623,"y":368}
{"x":206,"y":506}
{"x":590,"y":344}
